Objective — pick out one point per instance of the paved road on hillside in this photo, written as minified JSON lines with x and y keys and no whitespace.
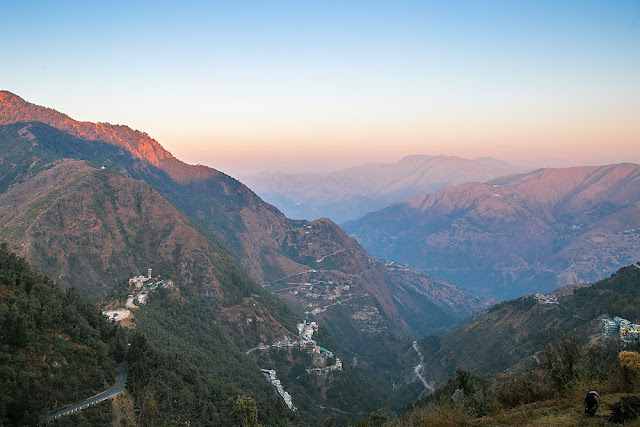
{"x":118,"y":388}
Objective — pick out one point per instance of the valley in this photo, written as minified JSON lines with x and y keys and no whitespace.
{"x":331,"y":214}
{"x":95,"y":204}
{"x":515,"y":235}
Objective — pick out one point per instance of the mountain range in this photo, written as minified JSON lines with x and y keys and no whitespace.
{"x":94,"y":204}
{"x":351,"y":193}
{"x":515,"y":235}
{"x":260,"y":237}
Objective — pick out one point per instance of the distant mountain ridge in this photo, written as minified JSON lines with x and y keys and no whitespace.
{"x":518,"y":234}
{"x":351,"y":193}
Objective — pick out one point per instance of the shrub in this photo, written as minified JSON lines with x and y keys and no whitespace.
{"x":521,"y":390}
{"x":630,"y":365}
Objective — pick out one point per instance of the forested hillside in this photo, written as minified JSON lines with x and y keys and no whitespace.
{"x":485,"y":373}
{"x":513,"y":331}
{"x":184,"y":366}
{"x":55,"y":347}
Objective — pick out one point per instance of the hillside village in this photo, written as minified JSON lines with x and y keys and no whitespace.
{"x":315,"y":292}
{"x":271,"y":376}
{"x":546,"y":299}
{"x":139,"y":288}
{"x":306,"y":330}
{"x":620,"y":328}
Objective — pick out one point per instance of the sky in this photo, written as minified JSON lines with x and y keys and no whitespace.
{"x":310,"y":86}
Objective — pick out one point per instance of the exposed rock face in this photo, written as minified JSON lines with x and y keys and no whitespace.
{"x":515,"y":235}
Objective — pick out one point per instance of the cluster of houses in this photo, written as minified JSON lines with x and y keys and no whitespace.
{"x":306,"y":330}
{"x":271,"y":376}
{"x":546,"y":299}
{"x":320,"y":289}
{"x":319,"y":371}
{"x":392,"y":265}
{"x":142,"y":285}
{"x":622,"y":328}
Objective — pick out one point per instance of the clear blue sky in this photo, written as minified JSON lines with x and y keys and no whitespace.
{"x":247,"y":86}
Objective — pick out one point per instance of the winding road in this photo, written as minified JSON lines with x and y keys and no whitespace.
{"x":117,"y":388}
{"x":417,"y":369}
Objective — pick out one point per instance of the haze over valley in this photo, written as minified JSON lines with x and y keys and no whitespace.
{"x":516,"y":235}
{"x":352,"y":193}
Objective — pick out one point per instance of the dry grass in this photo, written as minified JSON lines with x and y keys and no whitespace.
{"x":566,"y":410}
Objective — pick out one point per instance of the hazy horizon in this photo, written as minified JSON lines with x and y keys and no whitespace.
{"x":541,"y":163}
{"x":250,"y":87}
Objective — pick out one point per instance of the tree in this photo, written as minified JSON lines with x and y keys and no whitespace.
{"x":560,"y":357}
{"x":630,"y":364}
{"x":462,"y":380}
{"x":246,"y":407}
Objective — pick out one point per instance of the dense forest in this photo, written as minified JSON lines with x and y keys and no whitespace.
{"x":55,"y":347}
{"x":184,"y":367}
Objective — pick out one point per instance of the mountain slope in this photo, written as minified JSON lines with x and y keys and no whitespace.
{"x":94,"y":229}
{"x":55,"y":347}
{"x":221,"y":204}
{"x":351,"y":193}
{"x":513,"y":331}
{"x":91,"y":210}
{"x":515,"y":235}
{"x":257,"y":233}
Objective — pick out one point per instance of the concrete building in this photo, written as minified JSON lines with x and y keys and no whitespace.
{"x":610,"y":327}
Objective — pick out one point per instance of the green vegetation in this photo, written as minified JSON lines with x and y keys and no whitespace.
{"x":35,"y":208}
{"x":347,"y":393}
{"x":55,"y":347}
{"x":513,"y":331}
{"x":184,"y":367}
{"x":548,"y":394}
{"x":573,"y":358}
